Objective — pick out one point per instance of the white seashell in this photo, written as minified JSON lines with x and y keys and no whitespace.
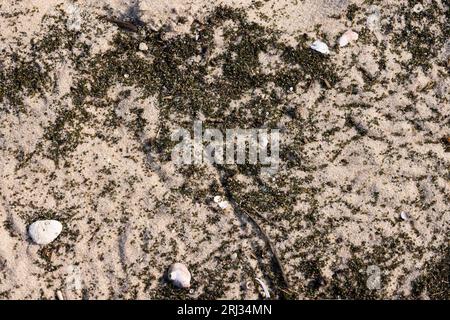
{"x":59,"y":295}
{"x":373,"y":19}
{"x":143,"y":46}
{"x":320,"y":47}
{"x":264,"y":287}
{"x":179,"y":275}
{"x":347,"y":37}
{"x":418,"y":8}
{"x":44,"y":231}
{"x":405,"y":216}
{"x":223,"y":204}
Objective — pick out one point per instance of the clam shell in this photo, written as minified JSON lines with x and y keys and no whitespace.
{"x":44,"y":231}
{"x":179,"y":275}
{"x":347,"y":37}
{"x":405,"y":216}
{"x":320,"y":46}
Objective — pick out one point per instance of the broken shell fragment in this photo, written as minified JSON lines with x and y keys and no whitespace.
{"x":347,"y":37}
{"x":44,"y":231}
{"x":320,"y":46}
{"x":179,"y":275}
{"x":264,"y":287}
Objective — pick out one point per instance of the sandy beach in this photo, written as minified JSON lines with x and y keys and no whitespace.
{"x":357,"y":207}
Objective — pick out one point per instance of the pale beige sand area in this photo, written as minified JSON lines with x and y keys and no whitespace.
{"x":85,"y":122}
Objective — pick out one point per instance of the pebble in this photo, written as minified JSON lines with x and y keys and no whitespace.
{"x":347,"y":37}
{"x":320,"y":46}
{"x":179,"y":275}
{"x":143,"y":46}
{"x":44,"y":231}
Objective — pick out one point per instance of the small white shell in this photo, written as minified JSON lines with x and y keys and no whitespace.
{"x":405,"y":216}
{"x":143,"y":46}
{"x":179,"y":275}
{"x":264,"y":287}
{"x":347,"y":37}
{"x":320,"y":46}
{"x":59,"y":295}
{"x":223,"y":204}
{"x":44,"y":231}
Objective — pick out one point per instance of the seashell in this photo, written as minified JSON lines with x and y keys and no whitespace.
{"x":179,"y":275}
{"x":59,"y":295}
{"x":347,"y":37}
{"x":143,"y":46}
{"x":44,"y":231}
{"x":264,"y":287}
{"x":405,"y":216}
{"x":223,"y":204}
{"x":320,"y":46}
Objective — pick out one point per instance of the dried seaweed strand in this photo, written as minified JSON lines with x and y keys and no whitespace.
{"x":238,"y":208}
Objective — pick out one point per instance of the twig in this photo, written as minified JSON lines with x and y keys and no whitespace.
{"x":238,"y":208}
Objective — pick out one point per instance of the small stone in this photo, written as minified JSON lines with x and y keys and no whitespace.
{"x":179,"y":275}
{"x":126,"y":75}
{"x":347,"y":37}
{"x":44,"y":231}
{"x":143,"y":46}
{"x":320,"y":46}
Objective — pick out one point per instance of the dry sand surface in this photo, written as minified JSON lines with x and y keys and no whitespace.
{"x":359,"y":207}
